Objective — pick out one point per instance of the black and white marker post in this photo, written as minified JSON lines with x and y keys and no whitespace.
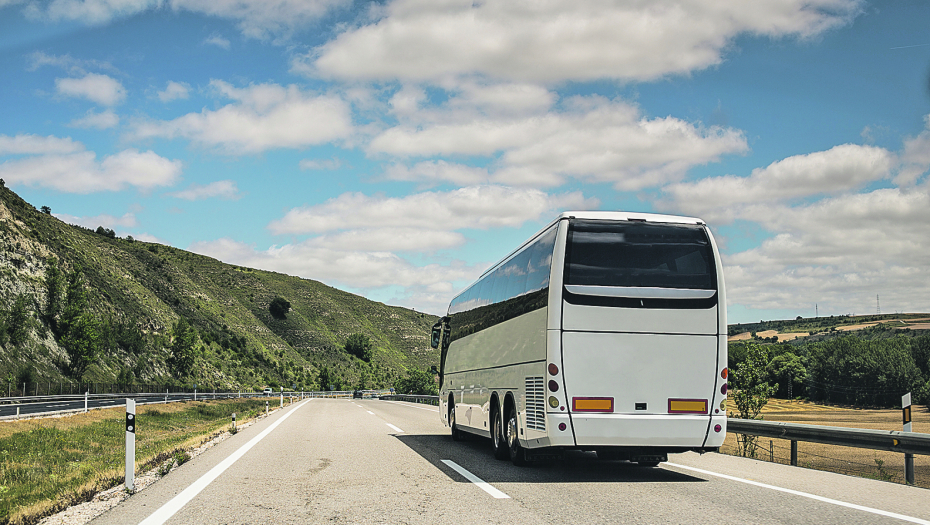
{"x":908,"y":458}
{"x":130,"y":444}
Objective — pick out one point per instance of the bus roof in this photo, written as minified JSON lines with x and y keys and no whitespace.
{"x":625,"y":216}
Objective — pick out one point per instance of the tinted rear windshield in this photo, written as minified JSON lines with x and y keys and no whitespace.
{"x":656,"y":255}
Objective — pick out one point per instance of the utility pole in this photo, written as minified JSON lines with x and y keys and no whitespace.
{"x":878,"y":308}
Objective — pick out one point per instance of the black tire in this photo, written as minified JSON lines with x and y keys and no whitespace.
{"x":648,"y":463}
{"x":497,"y":437}
{"x":457,"y":435}
{"x":516,"y":451}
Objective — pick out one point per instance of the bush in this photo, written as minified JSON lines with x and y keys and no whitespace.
{"x":417,"y":383}
{"x":360,"y":346}
{"x":279,"y":308}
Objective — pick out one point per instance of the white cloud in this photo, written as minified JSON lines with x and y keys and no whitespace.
{"x":588,"y":138}
{"x":97,"y":88}
{"x":839,"y":253}
{"x":835,"y":171}
{"x":80,"y":172}
{"x":320,"y":164}
{"x":128,"y":220}
{"x":256,"y":18}
{"x":77,"y":66}
{"x":552,"y":40}
{"x":224,"y":189}
{"x":439,"y":171}
{"x":27,"y":144}
{"x":263,"y":117}
{"x":915,"y":157}
{"x":103,"y":120}
{"x":479,"y":207}
{"x":218,"y":41}
{"x":174,"y":91}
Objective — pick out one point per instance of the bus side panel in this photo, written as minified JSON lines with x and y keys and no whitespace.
{"x":497,"y":359}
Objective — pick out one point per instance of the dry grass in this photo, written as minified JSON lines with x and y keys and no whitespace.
{"x":855,"y":461}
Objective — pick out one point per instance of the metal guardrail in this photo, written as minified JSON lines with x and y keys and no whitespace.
{"x":429,"y":400}
{"x":888,"y":440}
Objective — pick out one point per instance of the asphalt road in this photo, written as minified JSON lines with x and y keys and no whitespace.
{"x":370,"y":461}
{"x":43,"y":407}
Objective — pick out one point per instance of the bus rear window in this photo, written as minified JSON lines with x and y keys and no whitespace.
{"x":639,"y":254}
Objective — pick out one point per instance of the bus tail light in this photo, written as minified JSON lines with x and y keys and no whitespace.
{"x":717,"y":428}
{"x":553,"y":386}
{"x":592,"y":404}
{"x":687,"y":406}
{"x":553,"y":369}
{"x":553,"y":402}
{"x":724,"y":373}
{"x":723,"y":389}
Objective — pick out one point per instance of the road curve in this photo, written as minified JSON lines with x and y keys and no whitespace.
{"x":369,"y":461}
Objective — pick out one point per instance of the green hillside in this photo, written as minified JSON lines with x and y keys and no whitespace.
{"x":137,"y":292}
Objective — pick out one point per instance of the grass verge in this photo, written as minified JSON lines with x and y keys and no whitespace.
{"x":49,"y":464}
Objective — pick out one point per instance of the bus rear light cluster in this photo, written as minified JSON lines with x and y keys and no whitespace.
{"x":717,"y":428}
{"x":553,"y":369}
{"x":723,"y":389}
{"x":553,"y":386}
{"x":553,"y":402}
{"x":724,"y":373}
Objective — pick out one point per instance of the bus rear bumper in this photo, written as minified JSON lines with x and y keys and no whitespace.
{"x":656,"y":430}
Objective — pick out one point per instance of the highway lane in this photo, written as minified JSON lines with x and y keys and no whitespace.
{"x":369,"y":461}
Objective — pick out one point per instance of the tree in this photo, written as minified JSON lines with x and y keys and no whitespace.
{"x":17,"y":323}
{"x":790,"y":372}
{"x":360,"y":346}
{"x":82,"y":342}
{"x":279,"y":308}
{"x":54,"y":286}
{"x":183,"y":353}
{"x":751,"y":391}
{"x":417,"y":382}
{"x":46,"y":210}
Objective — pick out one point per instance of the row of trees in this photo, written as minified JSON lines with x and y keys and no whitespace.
{"x":849,"y":369}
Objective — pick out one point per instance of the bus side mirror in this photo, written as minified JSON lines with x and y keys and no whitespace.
{"x":436,"y":337}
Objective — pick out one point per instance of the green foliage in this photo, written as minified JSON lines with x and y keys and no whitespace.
{"x":181,"y":360}
{"x":360,"y":346}
{"x":54,"y":287}
{"x":17,"y":322}
{"x":279,"y":308}
{"x":125,"y":378}
{"x":46,"y":210}
{"x":82,"y":342}
{"x":417,"y":382}
{"x":106,"y":232}
{"x":26,"y":374}
{"x":790,"y":373}
{"x":751,"y":392}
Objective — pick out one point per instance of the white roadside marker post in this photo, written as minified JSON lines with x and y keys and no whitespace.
{"x":85,"y":401}
{"x":908,"y":458}
{"x":234,"y":421}
{"x":130,"y":445}
{"x":266,"y":407}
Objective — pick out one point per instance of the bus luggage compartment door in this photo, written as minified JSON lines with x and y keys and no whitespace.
{"x":639,"y":389}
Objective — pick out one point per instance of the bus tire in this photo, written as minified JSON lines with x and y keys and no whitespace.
{"x":498,"y":442}
{"x":457,"y":435}
{"x":516,"y":451}
{"x":648,"y":463}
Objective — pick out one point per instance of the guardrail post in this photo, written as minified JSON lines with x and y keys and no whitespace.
{"x":908,"y":458}
{"x":17,"y":412}
{"x":234,"y":421}
{"x":282,"y":399}
{"x":85,"y":401}
{"x":266,"y":407}
{"x":166,"y":396}
{"x":794,"y":453}
{"x":130,"y":444}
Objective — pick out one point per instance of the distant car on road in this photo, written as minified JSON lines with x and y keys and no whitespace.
{"x":267,"y":391}
{"x":357,"y":394}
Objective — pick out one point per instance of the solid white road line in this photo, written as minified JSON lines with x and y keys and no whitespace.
{"x":175,"y":504}
{"x":483,"y":485}
{"x":806,"y":495}
{"x":412,"y":406}
{"x":395,"y":428}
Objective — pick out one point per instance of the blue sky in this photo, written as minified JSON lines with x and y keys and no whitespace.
{"x":396,"y":149}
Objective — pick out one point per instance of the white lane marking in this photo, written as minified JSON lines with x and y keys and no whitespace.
{"x":175,"y":504}
{"x":483,"y":485}
{"x":395,"y":428}
{"x":57,"y":406}
{"x":370,"y":412}
{"x":412,"y":406}
{"x":807,"y":495}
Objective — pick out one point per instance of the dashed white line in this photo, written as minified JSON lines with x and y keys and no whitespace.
{"x":483,"y":485}
{"x":395,"y":428}
{"x":806,"y":495}
{"x":370,"y":412}
{"x":411,"y":406}
{"x":175,"y":504}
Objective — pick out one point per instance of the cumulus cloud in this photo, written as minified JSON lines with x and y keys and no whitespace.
{"x":128,"y":220}
{"x":438,"y":171}
{"x":262,"y":117}
{"x":550,"y":40}
{"x":915,"y":157}
{"x":320,"y":164}
{"x":838,"y":170}
{"x":27,"y":144}
{"x":100,"y":89}
{"x":256,"y":18}
{"x":838,"y":252}
{"x":588,"y":138}
{"x":174,"y":91}
{"x":217,"y":40}
{"x":103,"y":120}
{"x":64,"y":166}
{"x":223,"y":189}
{"x":480,"y":207}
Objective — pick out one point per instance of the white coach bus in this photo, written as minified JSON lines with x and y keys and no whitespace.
{"x":605,"y":331}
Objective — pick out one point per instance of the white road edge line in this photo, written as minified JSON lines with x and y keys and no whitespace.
{"x":395,"y":428}
{"x":483,"y":485}
{"x":411,"y":406}
{"x":806,"y":495}
{"x":175,"y":504}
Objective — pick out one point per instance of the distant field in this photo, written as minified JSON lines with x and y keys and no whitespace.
{"x":922,"y":323}
{"x":845,"y":460}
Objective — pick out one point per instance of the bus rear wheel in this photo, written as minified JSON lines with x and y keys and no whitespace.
{"x":501,"y":451}
{"x":457,"y":435}
{"x":516,"y":451}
